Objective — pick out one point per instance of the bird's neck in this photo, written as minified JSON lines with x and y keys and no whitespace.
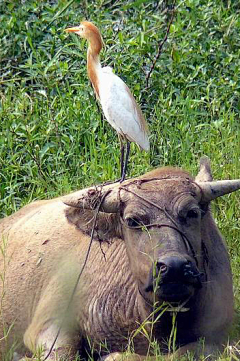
{"x":93,"y":66}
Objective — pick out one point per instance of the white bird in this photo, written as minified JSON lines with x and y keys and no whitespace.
{"x":118,"y":104}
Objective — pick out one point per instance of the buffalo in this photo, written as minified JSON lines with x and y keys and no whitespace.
{"x":112,"y":267}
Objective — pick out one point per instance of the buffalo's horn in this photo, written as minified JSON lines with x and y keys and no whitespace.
{"x":212,"y":190}
{"x":205,"y":173}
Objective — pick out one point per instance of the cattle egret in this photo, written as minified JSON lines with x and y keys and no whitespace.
{"x":118,"y":104}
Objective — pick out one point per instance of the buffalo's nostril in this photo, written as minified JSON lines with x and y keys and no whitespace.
{"x":188,"y":269}
{"x":162,"y":268}
{"x":174,"y":278}
{"x":173,"y":266}
{"x":177,"y":269}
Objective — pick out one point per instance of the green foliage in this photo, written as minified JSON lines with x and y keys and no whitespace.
{"x":53,"y":138}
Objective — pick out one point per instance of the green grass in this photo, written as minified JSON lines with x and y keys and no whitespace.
{"x":53,"y":138}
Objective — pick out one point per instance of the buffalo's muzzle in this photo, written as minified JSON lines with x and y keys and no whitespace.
{"x":174,"y":279}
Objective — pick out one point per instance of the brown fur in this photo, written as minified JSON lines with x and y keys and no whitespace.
{"x":167,"y":172}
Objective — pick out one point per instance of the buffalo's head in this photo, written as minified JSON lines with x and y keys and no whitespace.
{"x":164,"y":219}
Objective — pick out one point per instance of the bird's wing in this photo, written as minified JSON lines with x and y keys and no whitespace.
{"x":121,"y":109}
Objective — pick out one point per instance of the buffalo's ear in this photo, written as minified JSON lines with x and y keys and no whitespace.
{"x":104,"y":197}
{"x":107,"y":225}
{"x":205,"y":173}
{"x":102,"y":202}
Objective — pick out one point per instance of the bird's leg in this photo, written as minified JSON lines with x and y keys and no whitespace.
{"x":122,"y":154}
{"x":124,"y":170}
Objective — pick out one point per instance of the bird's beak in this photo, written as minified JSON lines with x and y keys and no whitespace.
{"x":72,"y":30}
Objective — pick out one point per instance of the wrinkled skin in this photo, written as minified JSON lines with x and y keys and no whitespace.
{"x":176,"y":257}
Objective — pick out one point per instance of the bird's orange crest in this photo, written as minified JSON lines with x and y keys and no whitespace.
{"x":94,"y":34}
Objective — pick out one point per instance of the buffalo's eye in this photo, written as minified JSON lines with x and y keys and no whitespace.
{"x":192,"y":213}
{"x":133,"y":222}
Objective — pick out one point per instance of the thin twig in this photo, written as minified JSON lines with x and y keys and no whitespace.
{"x":80,"y":273}
{"x":160,"y":46}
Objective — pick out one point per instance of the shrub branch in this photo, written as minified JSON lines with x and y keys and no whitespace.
{"x":160,"y":46}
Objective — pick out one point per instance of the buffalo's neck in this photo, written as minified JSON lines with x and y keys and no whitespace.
{"x":114,"y":309}
{"x":115,"y":318}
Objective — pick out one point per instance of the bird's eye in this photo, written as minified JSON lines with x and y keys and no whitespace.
{"x":133,"y":222}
